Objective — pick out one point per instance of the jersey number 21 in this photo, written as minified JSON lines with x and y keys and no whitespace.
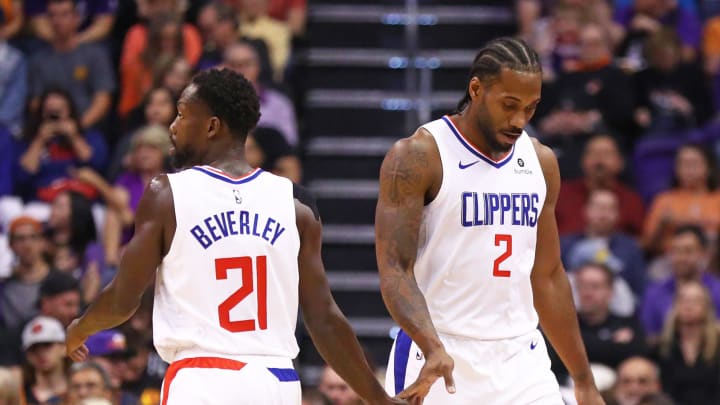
{"x":244,"y":264}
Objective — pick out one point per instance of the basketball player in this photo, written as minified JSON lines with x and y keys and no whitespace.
{"x":232,"y":250}
{"x":468,"y":249}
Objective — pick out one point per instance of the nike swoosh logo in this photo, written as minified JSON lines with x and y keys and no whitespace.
{"x":533,"y":345}
{"x":463,"y":167}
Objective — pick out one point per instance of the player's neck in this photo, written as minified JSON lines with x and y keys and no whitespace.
{"x":229,"y":158}
{"x":473,"y":135}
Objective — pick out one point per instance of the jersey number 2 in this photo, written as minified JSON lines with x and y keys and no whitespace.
{"x":499,"y":238}
{"x":244,"y":264}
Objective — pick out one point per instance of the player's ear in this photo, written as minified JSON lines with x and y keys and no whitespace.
{"x":475,"y":88}
{"x":213,"y":127}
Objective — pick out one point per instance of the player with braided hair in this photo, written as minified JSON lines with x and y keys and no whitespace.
{"x":468,"y":249}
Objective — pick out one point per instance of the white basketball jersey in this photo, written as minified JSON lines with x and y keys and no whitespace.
{"x":229,"y":284}
{"x":478,"y":236}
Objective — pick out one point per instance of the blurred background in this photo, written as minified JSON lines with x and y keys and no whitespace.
{"x":629,"y":105}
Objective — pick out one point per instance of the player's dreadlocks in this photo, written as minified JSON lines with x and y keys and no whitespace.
{"x":505,"y":52}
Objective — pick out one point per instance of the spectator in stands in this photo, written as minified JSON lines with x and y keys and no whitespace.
{"x":336,"y":389}
{"x":10,"y":388}
{"x":595,"y":96}
{"x":148,"y":154}
{"x":691,"y":200}
{"x":137,"y":39}
{"x":11,"y":18}
{"x":159,"y":109}
{"x":637,"y":377}
{"x":144,"y":370}
{"x":601,"y":242}
{"x":43,"y":341}
{"x":601,"y":164}
{"x":609,"y":338}
{"x":20,"y":293}
{"x":109,"y":350}
{"x":96,"y":19}
{"x":139,"y":73}
{"x":176,"y":77}
{"x":267,"y":148}
{"x":671,"y":96}
{"x":711,"y":56}
{"x":71,"y":230}
{"x":292,"y":12}
{"x":276,"y":109}
{"x":60,"y":297}
{"x":54,"y":142}
{"x":87,"y":380}
{"x":219,"y":25}
{"x":13,"y":84}
{"x":690,"y":348}
{"x":256,"y":23}
{"x":643,"y":18}
{"x":314,"y":397}
{"x":688,"y":257}
{"x":215,"y":21}
{"x":81,"y":68}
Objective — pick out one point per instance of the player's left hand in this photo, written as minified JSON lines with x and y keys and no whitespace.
{"x":588,"y":395}
{"x":75,"y":343}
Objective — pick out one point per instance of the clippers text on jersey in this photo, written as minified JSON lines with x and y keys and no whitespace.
{"x":480,"y":209}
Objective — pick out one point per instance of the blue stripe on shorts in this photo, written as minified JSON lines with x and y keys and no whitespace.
{"x":285,"y":374}
{"x":402,"y":351}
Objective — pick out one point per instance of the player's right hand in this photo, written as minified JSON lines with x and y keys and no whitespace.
{"x":75,"y":343}
{"x":438,"y":363}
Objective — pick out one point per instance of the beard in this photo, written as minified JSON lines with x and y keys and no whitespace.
{"x":181,"y":159}
{"x":488,"y":132}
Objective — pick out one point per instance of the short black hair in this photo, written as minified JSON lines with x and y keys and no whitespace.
{"x":230,"y":97}
{"x":504,"y":52}
{"x":57,"y":283}
{"x":695,"y":230}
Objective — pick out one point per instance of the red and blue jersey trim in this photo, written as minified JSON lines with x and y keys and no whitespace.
{"x":221,"y":175}
{"x":472,"y":149}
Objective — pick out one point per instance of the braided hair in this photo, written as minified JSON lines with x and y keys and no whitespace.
{"x":504,"y":52}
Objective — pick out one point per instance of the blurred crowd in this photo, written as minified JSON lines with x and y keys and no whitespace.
{"x":630,"y":106}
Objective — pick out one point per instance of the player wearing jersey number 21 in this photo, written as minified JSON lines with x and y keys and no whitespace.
{"x":233,"y":251}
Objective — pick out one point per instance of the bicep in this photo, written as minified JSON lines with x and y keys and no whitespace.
{"x":404,"y":178}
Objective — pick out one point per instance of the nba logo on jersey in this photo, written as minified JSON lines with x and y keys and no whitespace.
{"x":238,"y":198}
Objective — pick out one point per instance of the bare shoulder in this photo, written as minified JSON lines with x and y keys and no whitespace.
{"x":157,"y":195}
{"x":415,"y":149}
{"x":412,"y":166}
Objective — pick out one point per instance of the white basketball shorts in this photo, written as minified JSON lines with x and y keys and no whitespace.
{"x":490,"y":372}
{"x":220,"y":381}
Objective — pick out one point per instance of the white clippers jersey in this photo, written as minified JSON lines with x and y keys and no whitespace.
{"x":478,"y":236}
{"x":229,"y":284}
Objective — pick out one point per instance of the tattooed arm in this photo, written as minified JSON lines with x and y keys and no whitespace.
{"x":409,"y":177}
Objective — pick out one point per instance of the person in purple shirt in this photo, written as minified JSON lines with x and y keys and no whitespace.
{"x":147,"y":156}
{"x":688,"y":256}
{"x":646,"y":17}
{"x":97,"y":18}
